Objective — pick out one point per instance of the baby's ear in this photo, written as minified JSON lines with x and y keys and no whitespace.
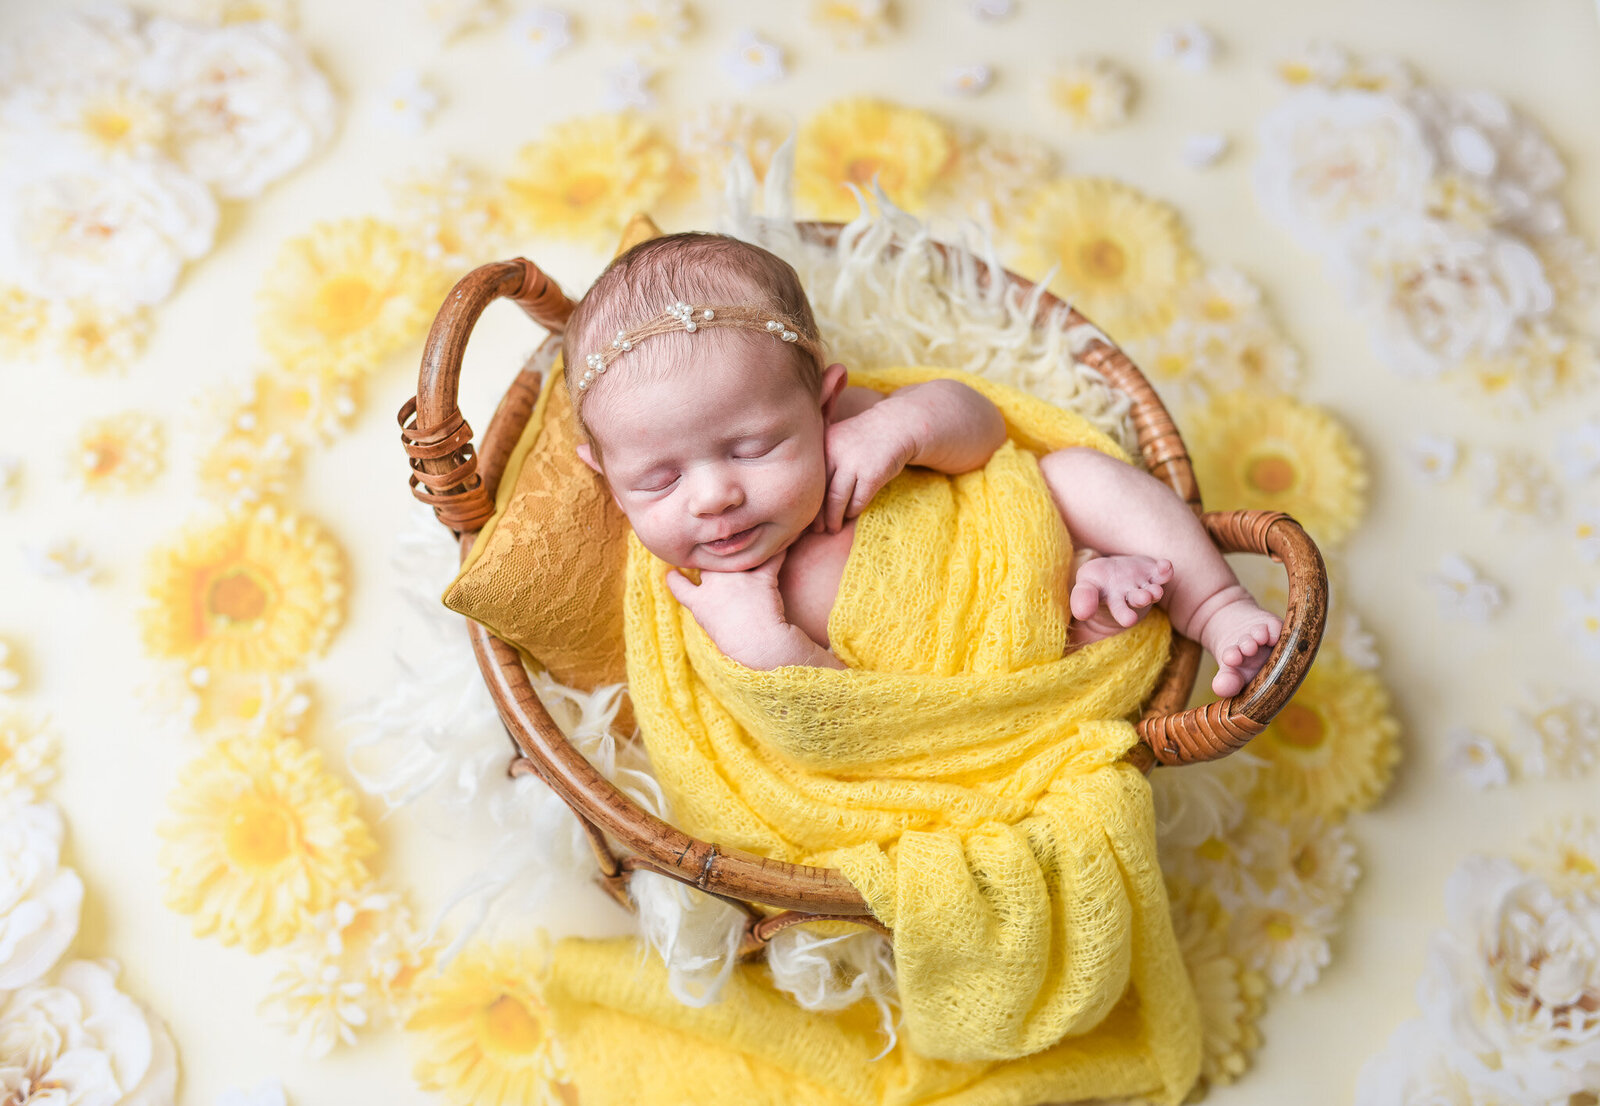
{"x":834,"y":379}
{"x":587,"y":455}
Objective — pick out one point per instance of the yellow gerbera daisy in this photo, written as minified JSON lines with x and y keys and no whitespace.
{"x":1332,"y":749}
{"x":1272,"y":453}
{"x":484,"y":1030}
{"x":122,"y":453}
{"x":259,"y":591}
{"x":261,"y":839}
{"x":344,"y":296}
{"x":858,"y":140}
{"x":586,"y":177}
{"x":1122,"y":257}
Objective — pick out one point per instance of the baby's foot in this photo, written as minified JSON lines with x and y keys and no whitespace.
{"x":1112,"y":593}
{"x":1239,"y":635}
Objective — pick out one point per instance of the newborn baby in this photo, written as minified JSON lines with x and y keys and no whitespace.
{"x":733,"y":448}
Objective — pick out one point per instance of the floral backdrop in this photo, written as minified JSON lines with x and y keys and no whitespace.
{"x":1358,"y":261}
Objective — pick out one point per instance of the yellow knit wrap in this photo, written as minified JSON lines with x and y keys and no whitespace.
{"x":962,"y":773}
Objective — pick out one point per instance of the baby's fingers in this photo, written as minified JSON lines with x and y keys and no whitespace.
{"x":682,"y":588}
{"x":840,"y":494}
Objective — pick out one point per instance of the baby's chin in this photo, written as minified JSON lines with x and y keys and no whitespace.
{"x":769,"y":542}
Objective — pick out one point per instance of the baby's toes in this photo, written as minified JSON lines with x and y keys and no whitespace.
{"x":1232,"y":657}
{"x":1162,"y":572}
{"x":1154,"y":590}
{"x":1085,"y":600}
{"x":1248,"y":646}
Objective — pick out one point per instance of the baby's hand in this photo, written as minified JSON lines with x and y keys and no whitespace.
{"x":742,"y":612}
{"x":864,"y":454}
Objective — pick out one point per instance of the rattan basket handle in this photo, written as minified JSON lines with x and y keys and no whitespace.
{"x":444,"y":466}
{"x":1217,"y":729}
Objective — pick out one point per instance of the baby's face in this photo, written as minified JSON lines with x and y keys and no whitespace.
{"x":716,"y":468}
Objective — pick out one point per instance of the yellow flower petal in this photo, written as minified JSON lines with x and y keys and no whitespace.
{"x":586,"y":177}
{"x":861,"y":140}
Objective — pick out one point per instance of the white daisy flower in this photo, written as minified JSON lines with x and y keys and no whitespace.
{"x":454,"y":18}
{"x":1201,"y":150}
{"x":1379,"y":74}
{"x":1578,"y":451}
{"x":1322,"y":860}
{"x":1284,"y":938}
{"x":995,"y":10}
{"x":1221,"y":295}
{"x":1544,"y":367}
{"x":96,"y":337}
{"x":1555,"y":734}
{"x":1093,"y":93}
{"x":1586,"y":528}
{"x":628,"y":86}
{"x":1462,"y":592}
{"x":655,"y":24}
{"x":1316,"y":63}
{"x":1583,"y":618}
{"x":852,"y":23}
{"x":1355,"y":642}
{"x":1475,"y":759}
{"x":753,"y":61}
{"x":1567,"y":852}
{"x":1515,"y":482}
{"x":1415,"y":1069}
{"x":542,"y":33}
{"x":63,"y":559}
{"x":1189,"y":44}
{"x":1332,"y":160}
{"x":10,"y":481}
{"x":968,"y":80}
{"x":408,"y":103}
{"x":1433,"y":457}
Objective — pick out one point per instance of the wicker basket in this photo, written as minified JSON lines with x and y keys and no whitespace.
{"x":459,"y":483}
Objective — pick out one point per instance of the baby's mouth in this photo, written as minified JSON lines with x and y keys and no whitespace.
{"x":733,"y":542}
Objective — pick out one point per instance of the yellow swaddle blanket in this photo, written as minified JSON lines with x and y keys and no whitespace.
{"x":963,"y":774}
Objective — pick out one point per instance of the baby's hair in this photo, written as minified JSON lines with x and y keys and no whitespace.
{"x":699,"y":269}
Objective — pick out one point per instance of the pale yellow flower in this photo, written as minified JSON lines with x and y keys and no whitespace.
{"x":258,"y":591}
{"x":121,"y":453}
{"x":344,"y":297}
{"x":483,"y":1030}
{"x":1219,"y":297}
{"x":586,"y":177}
{"x":1567,"y":853}
{"x":654,"y":24}
{"x":92,"y":337}
{"x":852,"y":23}
{"x":1332,"y":749}
{"x":1249,"y":355}
{"x":234,"y":704}
{"x":1093,"y":93}
{"x":241,"y":468}
{"x":709,"y":138}
{"x":1121,"y":257}
{"x":10,"y":668}
{"x":1272,"y":453}
{"x":261,"y":838}
{"x":23,"y":319}
{"x":1229,"y":994}
{"x":991,"y":175}
{"x":1547,"y":366}
{"x":119,"y":119}
{"x":355,"y":964}
{"x":860,"y":140}
{"x":27,"y":756}
{"x":1458,"y":198}
{"x":454,"y":214}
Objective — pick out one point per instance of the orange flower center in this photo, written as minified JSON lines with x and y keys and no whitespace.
{"x":1104,"y":259}
{"x":236,"y":596}
{"x":861,"y":170}
{"x":1272,"y":474}
{"x":258,"y":835}
{"x":1300,"y":726}
{"x":104,"y":457}
{"x":510,"y":1028}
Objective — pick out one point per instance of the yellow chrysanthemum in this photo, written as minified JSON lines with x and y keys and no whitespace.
{"x":1123,"y":257}
{"x":259,"y":591}
{"x":94,"y":338}
{"x":484,"y":1031}
{"x":122,"y":453}
{"x":1272,"y":453}
{"x":241,"y":468}
{"x":27,"y":756}
{"x":586,"y":177}
{"x":1332,"y":749}
{"x":1230,"y":995}
{"x":1093,"y":93}
{"x":261,"y":839}
{"x":343,"y":297}
{"x":22,"y":320}
{"x":858,"y":140}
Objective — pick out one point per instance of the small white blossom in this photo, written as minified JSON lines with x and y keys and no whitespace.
{"x":968,"y":80}
{"x":1203,"y":149}
{"x":1583,"y":618}
{"x":1555,"y":734}
{"x":753,"y":61}
{"x":1316,"y":63}
{"x":63,"y":559}
{"x":542,"y":33}
{"x":1462,"y":592}
{"x":628,"y":86}
{"x":655,"y":24}
{"x":1578,"y":450}
{"x":995,"y":10}
{"x":1093,"y":93}
{"x":1567,"y":853}
{"x":1586,"y":529}
{"x":1285,"y":938}
{"x":1189,"y":44}
{"x":409,"y":103}
{"x":1475,"y":759}
{"x":1516,"y":483}
{"x":1433,"y":457}
{"x":1355,"y":642}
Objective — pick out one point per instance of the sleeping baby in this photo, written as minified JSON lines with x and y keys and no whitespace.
{"x":735,"y":449}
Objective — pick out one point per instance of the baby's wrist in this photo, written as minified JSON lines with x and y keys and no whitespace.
{"x":783,"y":646}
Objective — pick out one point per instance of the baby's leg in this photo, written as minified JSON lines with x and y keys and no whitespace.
{"x":1121,"y":510}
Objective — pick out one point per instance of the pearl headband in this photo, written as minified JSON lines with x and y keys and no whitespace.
{"x":691,"y":319}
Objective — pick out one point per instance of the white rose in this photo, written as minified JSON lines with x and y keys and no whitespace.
{"x":85,"y":1040}
{"x":120,"y":236}
{"x":1478,"y":133}
{"x":39,"y":899}
{"x":1330,"y":159}
{"x":1413,"y":1071}
{"x":1513,"y":987}
{"x":1437,"y":292}
{"x":247,"y":104}
{"x":70,"y":47}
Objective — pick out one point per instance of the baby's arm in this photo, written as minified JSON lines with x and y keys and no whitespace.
{"x":1118,"y":509}
{"x":742,"y":612}
{"x":939,"y":424}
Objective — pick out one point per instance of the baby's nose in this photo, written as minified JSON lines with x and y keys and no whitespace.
{"x":715,"y":492}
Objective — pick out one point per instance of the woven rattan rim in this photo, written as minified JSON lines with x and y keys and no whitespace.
{"x":1170,"y":734}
